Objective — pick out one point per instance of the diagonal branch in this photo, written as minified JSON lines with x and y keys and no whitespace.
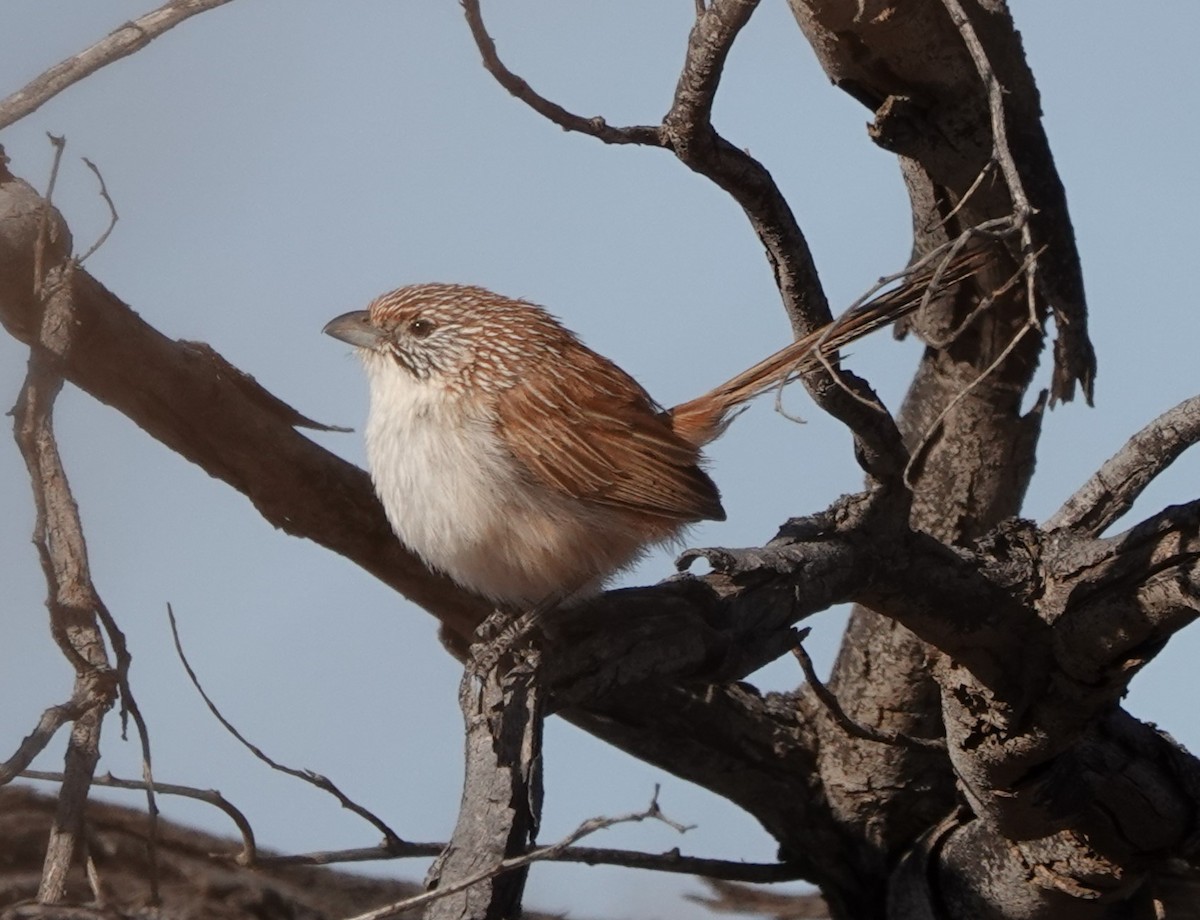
{"x":597,"y":127}
{"x":554,"y":850}
{"x":53,"y":718}
{"x":1114,"y":488}
{"x":131,"y":37}
{"x":390,"y":837}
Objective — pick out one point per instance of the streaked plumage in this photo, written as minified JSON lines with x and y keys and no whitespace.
{"x":527,"y":467}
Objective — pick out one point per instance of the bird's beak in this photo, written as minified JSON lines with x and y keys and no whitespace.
{"x":356,"y":328}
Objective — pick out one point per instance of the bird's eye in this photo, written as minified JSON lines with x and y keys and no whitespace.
{"x":421,"y":327}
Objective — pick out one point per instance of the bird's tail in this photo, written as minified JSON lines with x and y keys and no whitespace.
{"x":703,"y":419}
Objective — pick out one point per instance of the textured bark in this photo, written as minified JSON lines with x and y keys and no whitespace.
{"x":71,"y":598}
{"x":502,"y":794}
{"x":1004,"y":646}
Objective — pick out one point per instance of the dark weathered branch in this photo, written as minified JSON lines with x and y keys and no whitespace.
{"x":131,"y":37}
{"x":1114,"y":488}
{"x":1115,"y":602}
{"x":974,"y":454}
{"x":478,"y":873}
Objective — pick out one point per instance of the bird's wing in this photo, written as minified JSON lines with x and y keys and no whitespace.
{"x":593,"y":433}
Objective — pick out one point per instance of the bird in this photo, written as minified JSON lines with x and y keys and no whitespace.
{"x":530,"y":469}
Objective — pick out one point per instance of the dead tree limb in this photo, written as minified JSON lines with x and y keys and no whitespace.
{"x":129,"y":38}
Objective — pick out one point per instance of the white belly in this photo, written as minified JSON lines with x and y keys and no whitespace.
{"x":457,"y":499}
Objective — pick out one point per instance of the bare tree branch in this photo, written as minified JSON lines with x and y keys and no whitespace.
{"x":323,"y":783}
{"x":503,"y":710}
{"x":590,"y":826}
{"x":113,"y":217}
{"x":72,"y":599}
{"x":248,"y":854}
{"x":1022,"y":210}
{"x":672,"y":861}
{"x":1075,"y":358}
{"x":1107,"y":495}
{"x":597,"y":127}
{"x":131,"y":37}
{"x":129,"y":707}
{"x":35,"y":742}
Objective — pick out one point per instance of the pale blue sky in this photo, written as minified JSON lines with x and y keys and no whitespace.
{"x":277,"y":163}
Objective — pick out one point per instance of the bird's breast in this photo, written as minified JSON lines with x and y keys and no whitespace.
{"x":457,"y":497}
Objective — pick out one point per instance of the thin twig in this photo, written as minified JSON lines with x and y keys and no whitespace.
{"x":1022,"y":210}
{"x":1001,"y":152}
{"x":962,"y":202}
{"x":120,"y":43}
{"x":129,"y":707}
{"x":672,"y":861}
{"x":985,"y":304}
{"x":590,"y":826}
{"x":380,"y":852}
{"x":308,"y":776}
{"x":597,"y":127}
{"x":926,"y":441}
{"x":59,"y":143}
{"x":851,"y":727}
{"x":249,"y":854}
{"x":113,"y":217}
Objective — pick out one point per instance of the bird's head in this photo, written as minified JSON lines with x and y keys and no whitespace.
{"x":458,"y":335}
